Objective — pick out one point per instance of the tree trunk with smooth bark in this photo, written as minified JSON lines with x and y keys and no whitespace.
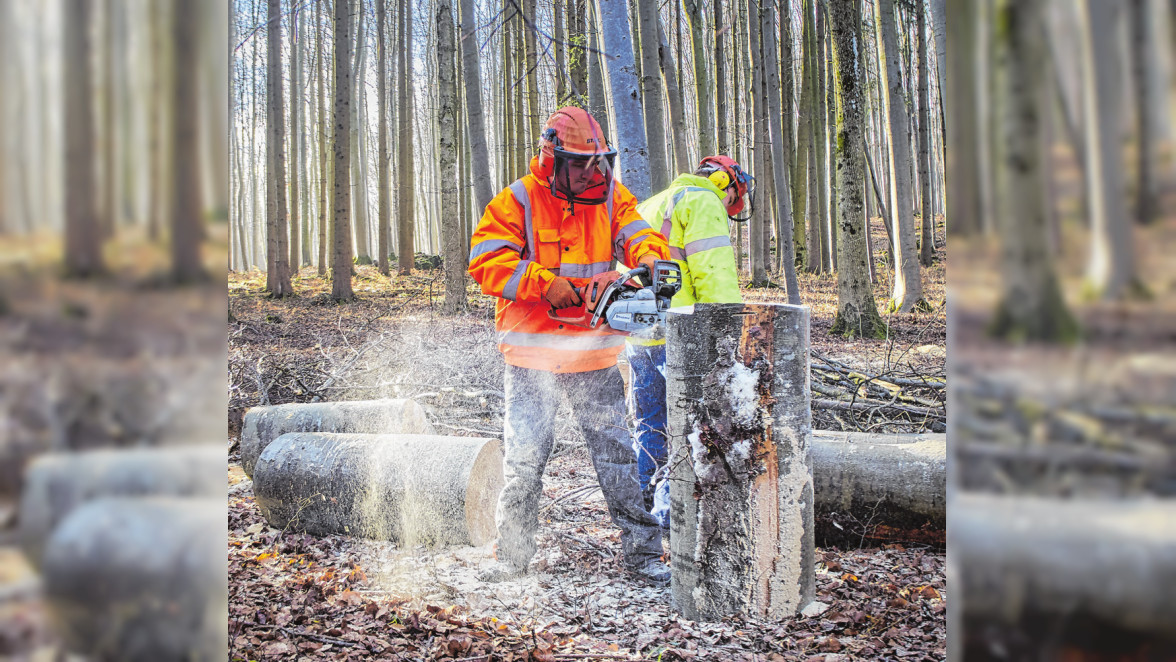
{"x":405,"y":208}
{"x":779,"y":148}
{"x":453,"y":247}
{"x":702,"y":82}
{"x":632,"y":155}
{"x":474,"y":112}
{"x":908,"y":285}
{"x":341,"y":240}
{"x":1031,"y":305}
{"x":927,"y":217}
{"x":277,"y":280}
{"x":652,"y":98}
{"x":83,"y":244}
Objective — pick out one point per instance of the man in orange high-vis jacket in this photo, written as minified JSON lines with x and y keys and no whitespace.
{"x":539,"y":239}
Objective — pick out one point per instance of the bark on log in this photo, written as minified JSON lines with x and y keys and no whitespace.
{"x":140,"y":579}
{"x":881,"y":478}
{"x":405,"y":487}
{"x":1112,"y":560}
{"x":741,"y":490}
{"x":265,"y":424}
{"x":57,"y":484}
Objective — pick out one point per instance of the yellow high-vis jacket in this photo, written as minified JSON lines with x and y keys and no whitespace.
{"x":693,"y":219}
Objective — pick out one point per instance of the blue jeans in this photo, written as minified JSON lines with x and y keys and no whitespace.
{"x":647,"y":370}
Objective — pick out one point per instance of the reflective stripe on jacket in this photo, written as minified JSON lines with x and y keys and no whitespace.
{"x":525,"y":239}
{"x":694,"y":221}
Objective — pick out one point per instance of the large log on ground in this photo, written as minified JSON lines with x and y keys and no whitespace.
{"x":741,"y":490}
{"x":407,"y":487}
{"x":56,"y":484}
{"x":899,"y":480}
{"x":1110,"y":560}
{"x":140,"y":579}
{"x":265,"y":424}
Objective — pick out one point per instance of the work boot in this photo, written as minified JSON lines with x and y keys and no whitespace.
{"x":501,"y":571}
{"x":653,"y":571}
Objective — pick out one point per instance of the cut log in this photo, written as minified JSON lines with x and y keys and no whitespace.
{"x":898,"y":480}
{"x":1111,"y":560}
{"x":406,"y":487}
{"x":140,"y":579}
{"x":741,"y":488}
{"x":264,"y":424}
{"x":57,"y":484}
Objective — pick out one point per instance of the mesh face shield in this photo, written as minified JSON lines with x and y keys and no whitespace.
{"x":744,"y":206}
{"x":584,"y":179}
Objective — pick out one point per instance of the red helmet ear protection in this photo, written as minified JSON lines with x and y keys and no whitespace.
{"x":725,"y":173}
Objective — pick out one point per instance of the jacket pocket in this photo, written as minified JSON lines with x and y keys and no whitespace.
{"x":548,"y":247}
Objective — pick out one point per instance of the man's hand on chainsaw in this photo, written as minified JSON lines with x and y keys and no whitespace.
{"x":649,"y":261}
{"x":562,"y":294}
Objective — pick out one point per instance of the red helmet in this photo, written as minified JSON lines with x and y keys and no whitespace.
{"x":575,"y":155}
{"x":725,"y":173}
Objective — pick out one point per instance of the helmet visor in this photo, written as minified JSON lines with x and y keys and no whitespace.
{"x":744,"y":206}
{"x":583,"y":178}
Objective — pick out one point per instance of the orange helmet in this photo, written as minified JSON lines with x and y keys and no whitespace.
{"x":725,"y":173}
{"x":573,"y":142}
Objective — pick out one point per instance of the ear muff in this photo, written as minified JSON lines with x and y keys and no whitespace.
{"x":720,"y":179}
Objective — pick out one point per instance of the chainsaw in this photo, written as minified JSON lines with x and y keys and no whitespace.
{"x":632,"y":301}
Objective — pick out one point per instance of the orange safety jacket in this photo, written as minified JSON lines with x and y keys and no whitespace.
{"x":525,"y":239}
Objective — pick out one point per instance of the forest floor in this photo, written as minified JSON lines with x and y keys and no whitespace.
{"x":337,"y":597}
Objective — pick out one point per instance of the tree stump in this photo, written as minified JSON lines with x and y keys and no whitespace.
{"x":265,"y":424}
{"x":56,"y":484}
{"x":140,"y":579}
{"x":1113,"y":560}
{"x":880,"y":478}
{"x":741,"y":490}
{"x":405,"y":487}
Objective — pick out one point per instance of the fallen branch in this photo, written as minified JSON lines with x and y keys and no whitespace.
{"x":869,"y":405}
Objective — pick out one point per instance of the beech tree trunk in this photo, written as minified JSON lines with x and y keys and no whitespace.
{"x":475,"y":115}
{"x":140,"y":579}
{"x":264,"y":424}
{"x":452,"y":245}
{"x":277,"y":281}
{"x":857,"y":312}
{"x":341,"y":260}
{"x":927,"y":214}
{"x":405,"y":207}
{"x":779,"y":137}
{"x":741,"y":490}
{"x":56,"y":484}
{"x":677,"y":112}
{"x":83,"y":245}
{"x":632,"y":156}
{"x":1031,"y":305}
{"x":383,"y":195}
{"x":324,"y":217}
{"x":803,"y":241}
{"x":1115,"y":561}
{"x":652,"y":97}
{"x":908,"y":285}
{"x":187,"y":208}
{"x":410,"y":488}
{"x":702,"y":82}
{"x":900,"y":482}
{"x":295,"y":136}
